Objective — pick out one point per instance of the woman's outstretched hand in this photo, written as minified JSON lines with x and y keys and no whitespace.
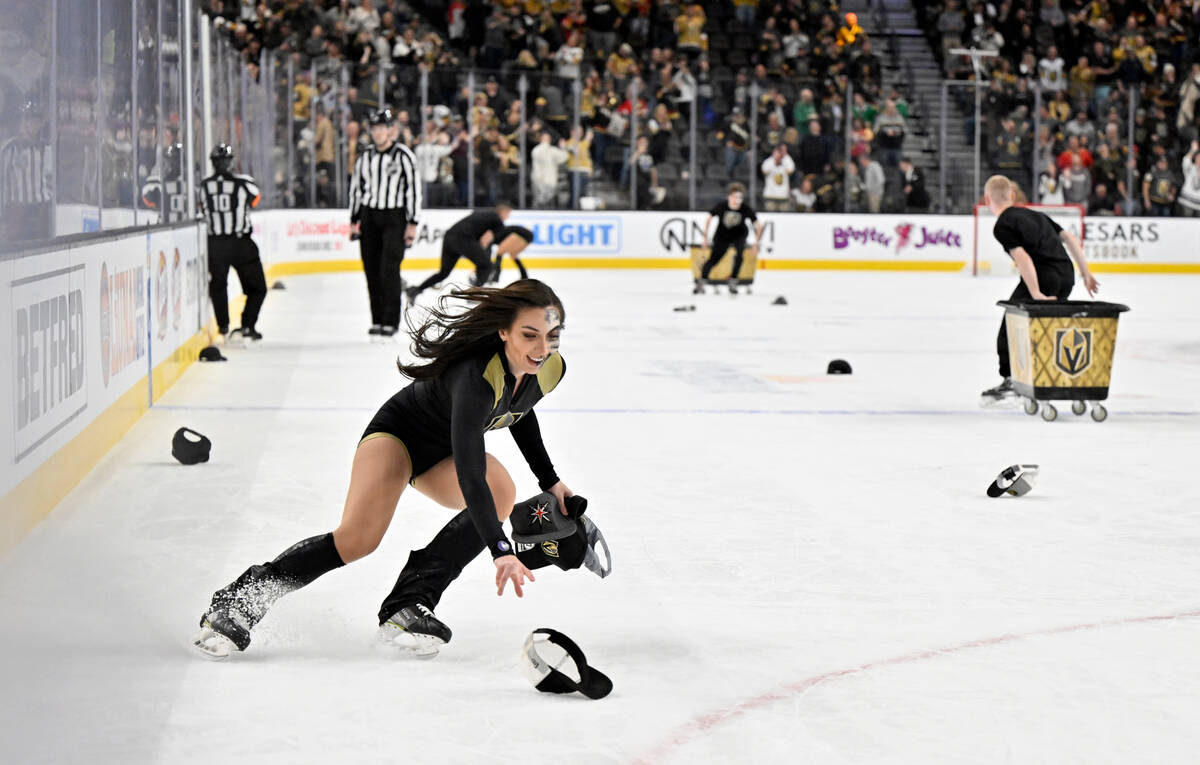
{"x":510,"y":568}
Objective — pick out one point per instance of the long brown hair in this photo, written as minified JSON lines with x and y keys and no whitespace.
{"x":446,"y":335}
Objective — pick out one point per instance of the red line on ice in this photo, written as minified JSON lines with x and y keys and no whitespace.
{"x":702,"y":724}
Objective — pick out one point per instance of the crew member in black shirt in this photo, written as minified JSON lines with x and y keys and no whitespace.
{"x":1039,"y":247}
{"x":731,"y":216}
{"x":470,"y":238}
{"x":482,"y":369}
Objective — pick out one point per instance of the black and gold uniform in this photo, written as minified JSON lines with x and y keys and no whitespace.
{"x":732,"y":231}
{"x":448,"y":415}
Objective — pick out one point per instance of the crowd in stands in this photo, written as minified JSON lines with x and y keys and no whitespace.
{"x":1093,"y":61}
{"x":657,"y":62}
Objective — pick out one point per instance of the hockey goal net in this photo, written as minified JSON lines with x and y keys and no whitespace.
{"x":989,"y":258}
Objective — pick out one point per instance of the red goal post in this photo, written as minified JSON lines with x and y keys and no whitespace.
{"x":989,"y":258}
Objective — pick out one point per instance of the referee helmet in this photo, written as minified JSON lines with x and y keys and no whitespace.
{"x":222,"y":157}
{"x":384,"y":116}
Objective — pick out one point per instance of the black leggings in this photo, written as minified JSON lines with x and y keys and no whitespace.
{"x":720,"y":245}
{"x":1056,"y":280}
{"x":453,"y":248}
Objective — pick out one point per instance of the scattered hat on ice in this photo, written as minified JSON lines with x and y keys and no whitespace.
{"x":278,"y":285}
{"x":781,"y":300}
{"x":555,"y":664}
{"x":211,"y":353}
{"x":1016,"y":480}
{"x":839,"y":367}
{"x":190,"y":451}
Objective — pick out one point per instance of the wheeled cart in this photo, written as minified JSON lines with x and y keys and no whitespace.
{"x":1062,"y":351}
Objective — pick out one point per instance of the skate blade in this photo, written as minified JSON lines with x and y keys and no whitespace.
{"x":1005,"y":402}
{"x":402,"y":643}
{"x":213,"y":646}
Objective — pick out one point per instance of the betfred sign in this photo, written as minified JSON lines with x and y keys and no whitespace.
{"x":50,"y":378}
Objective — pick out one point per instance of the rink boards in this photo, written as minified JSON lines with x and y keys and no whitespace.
{"x":310,"y":241}
{"x":94,"y":331}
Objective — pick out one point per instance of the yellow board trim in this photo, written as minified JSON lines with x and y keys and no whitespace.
{"x":1144,"y":268}
{"x":331,"y":266}
{"x":30,"y":501}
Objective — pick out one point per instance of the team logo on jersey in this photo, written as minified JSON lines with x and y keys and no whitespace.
{"x":504,"y":420}
{"x":550,"y":547}
{"x":732,"y":219}
{"x":540,"y":513}
{"x":1073,"y":350}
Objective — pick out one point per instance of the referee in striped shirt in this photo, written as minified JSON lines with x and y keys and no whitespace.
{"x":385,"y":202}
{"x":225,"y":200}
{"x":26,"y":180}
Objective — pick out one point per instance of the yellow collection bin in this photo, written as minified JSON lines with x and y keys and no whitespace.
{"x":720,"y":272}
{"x":1062,"y":351}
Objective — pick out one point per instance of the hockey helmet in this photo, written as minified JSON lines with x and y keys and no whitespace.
{"x":384,"y":116}
{"x":221,"y":156}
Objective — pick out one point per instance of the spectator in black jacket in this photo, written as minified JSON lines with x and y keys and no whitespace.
{"x":814,"y":153}
{"x":916,"y":197}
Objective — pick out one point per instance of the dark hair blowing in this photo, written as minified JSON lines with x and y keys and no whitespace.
{"x":446,"y":336}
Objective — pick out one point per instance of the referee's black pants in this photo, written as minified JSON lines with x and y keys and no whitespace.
{"x":720,"y":245}
{"x":1056,"y":279}
{"x":240,"y":253}
{"x":382,"y":246}
{"x":456,"y":246}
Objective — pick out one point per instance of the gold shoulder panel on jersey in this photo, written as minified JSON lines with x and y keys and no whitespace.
{"x":551,"y":373}
{"x":494,"y":374}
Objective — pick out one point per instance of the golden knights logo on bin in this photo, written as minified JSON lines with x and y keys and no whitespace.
{"x":1073,"y":350}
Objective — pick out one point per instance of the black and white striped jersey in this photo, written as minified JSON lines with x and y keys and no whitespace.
{"x":174,"y":208}
{"x":26,"y":170}
{"x":225,"y":201}
{"x":386,"y":180}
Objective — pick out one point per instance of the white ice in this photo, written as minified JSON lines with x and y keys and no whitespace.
{"x":807,"y":568}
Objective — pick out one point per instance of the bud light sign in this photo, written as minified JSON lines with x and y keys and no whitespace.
{"x":572,"y":234}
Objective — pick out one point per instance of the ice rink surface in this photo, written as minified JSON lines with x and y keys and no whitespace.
{"x":807,"y":568}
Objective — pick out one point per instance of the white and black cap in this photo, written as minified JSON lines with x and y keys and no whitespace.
{"x":1014,"y":480}
{"x":555,"y":664}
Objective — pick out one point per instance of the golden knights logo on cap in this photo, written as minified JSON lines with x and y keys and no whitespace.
{"x":550,"y":547}
{"x":1073,"y":350}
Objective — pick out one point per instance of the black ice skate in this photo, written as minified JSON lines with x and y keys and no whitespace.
{"x":411,"y":293}
{"x":246,"y":334}
{"x":699,"y":288}
{"x":222,"y":633}
{"x":415,"y":630}
{"x":733,"y":286}
{"x":1001,"y":392}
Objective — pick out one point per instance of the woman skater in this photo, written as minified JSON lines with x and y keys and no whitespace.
{"x":480,"y":370}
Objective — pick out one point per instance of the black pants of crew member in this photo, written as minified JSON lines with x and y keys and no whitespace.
{"x":1056,"y":280}
{"x":240,"y":253}
{"x":719,"y":246}
{"x":454,"y":247}
{"x":382,"y":246}
{"x":495,"y":276}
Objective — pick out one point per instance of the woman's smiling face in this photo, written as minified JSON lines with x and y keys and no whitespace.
{"x":533,"y":336}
